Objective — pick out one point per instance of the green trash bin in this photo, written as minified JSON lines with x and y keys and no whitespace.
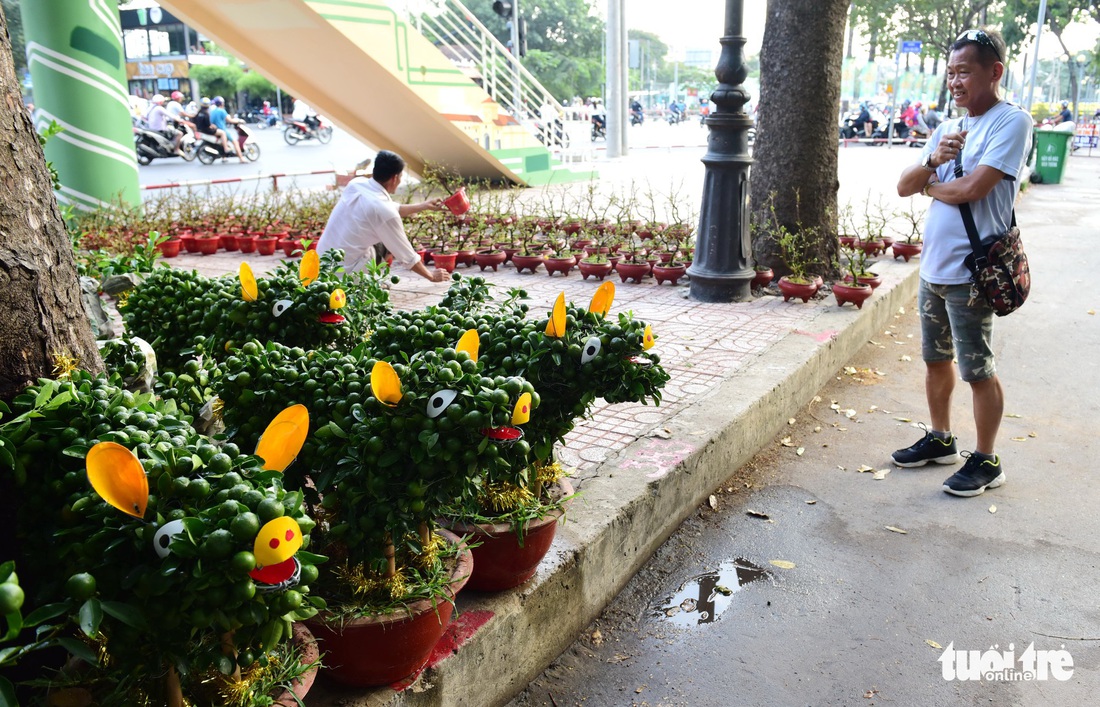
{"x":1052,"y":150}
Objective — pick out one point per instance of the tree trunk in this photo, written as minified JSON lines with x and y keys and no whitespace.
{"x":40,"y":301}
{"x":796,"y":143}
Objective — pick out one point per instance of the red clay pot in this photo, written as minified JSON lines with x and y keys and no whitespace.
{"x":465,"y":257}
{"x":291,"y":248}
{"x":381,"y":650}
{"x":445,"y":261}
{"x":500,"y":560}
{"x":489,"y":259}
{"x":796,"y":290}
{"x":596,"y":270}
{"x":871,"y":247}
{"x":170,"y":248}
{"x":856,"y":294}
{"x":309,"y":655}
{"x":847,"y":241}
{"x":562,"y":265}
{"x":632,"y":271}
{"x":872,"y":279}
{"x":246,"y":243}
{"x":572,"y":227}
{"x":906,"y":250}
{"x":526,"y":262}
{"x":265,"y":245}
{"x":208,"y":245}
{"x":669,"y":273}
{"x":190,"y":243}
{"x":227,"y":242}
{"x":762,"y":278}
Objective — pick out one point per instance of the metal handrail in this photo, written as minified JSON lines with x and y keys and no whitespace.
{"x":451,"y":23}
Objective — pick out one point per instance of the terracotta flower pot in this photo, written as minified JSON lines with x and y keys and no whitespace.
{"x":309,"y":655}
{"x":871,"y":247}
{"x":208,"y":245}
{"x":190,"y":243}
{"x":489,"y":259}
{"x":596,"y":270}
{"x":465,"y":257}
{"x":669,"y":273}
{"x":265,"y":245}
{"x":562,"y":265}
{"x":762,"y":278}
{"x":380,"y":650}
{"x":872,"y":279}
{"x":847,"y":241}
{"x":572,"y":227}
{"x":856,"y":294}
{"x":500,"y":560}
{"x":632,"y":271}
{"x":291,"y":248}
{"x":445,"y":261}
{"x":246,"y":243}
{"x":797,"y":290}
{"x":526,"y":262}
{"x":170,"y":248}
{"x":227,"y":242}
{"x":906,"y":250}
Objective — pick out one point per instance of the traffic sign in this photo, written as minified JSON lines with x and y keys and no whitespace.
{"x":910,"y":47}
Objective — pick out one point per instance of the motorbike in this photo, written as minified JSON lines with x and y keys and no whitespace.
{"x":849,"y":130}
{"x":210,"y":149}
{"x":298,"y":130}
{"x":674,"y":116}
{"x":599,"y":128}
{"x":637,"y":117}
{"x":151,"y":145}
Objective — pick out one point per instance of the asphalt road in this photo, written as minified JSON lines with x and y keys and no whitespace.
{"x":860,"y":613}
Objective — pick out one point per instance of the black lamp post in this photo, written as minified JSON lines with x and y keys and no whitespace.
{"x":722,"y":268}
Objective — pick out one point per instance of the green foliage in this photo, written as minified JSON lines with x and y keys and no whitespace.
{"x":257,"y":87}
{"x":217,"y":80}
{"x":100,"y":264}
{"x":96,"y":568}
{"x":43,"y":137}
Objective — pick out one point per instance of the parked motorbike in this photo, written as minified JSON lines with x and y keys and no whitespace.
{"x":210,"y":149}
{"x":151,"y":145}
{"x":298,"y":130}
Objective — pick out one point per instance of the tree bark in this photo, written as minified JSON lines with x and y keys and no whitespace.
{"x":796,"y":143}
{"x":40,"y":304}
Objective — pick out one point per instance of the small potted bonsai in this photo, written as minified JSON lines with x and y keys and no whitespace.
{"x":914,"y":223}
{"x":852,"y":289}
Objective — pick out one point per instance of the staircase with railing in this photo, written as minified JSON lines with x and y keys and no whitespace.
{"x":469,"y":44}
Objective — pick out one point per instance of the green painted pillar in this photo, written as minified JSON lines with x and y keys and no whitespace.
{"x":74,"y":51}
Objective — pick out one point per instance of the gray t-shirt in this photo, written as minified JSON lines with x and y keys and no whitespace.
{"x":999,"y":138}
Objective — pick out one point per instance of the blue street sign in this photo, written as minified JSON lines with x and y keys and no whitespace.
{"x":910,"y":47}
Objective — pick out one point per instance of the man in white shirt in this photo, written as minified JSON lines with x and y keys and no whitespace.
{"x":993,"y":139}
{"x":304,"y":114}
{"x":366,"y":216}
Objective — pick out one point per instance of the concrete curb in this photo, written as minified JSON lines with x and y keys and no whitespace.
{"x":640,"y":497}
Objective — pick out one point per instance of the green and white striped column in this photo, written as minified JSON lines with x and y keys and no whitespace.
{"x":75,"y":55}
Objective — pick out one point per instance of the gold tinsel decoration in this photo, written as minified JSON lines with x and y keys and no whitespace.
{"x":121,"y":298}
{"x":239,"y":693}
{"x":367,"y":334}
{"x":428,"y":554}
{"x":217,"y":407}
{"x":64,"y":364}
{"x":503,"y":497}
{"x":364,"y":584}
{"x":549,"y":474}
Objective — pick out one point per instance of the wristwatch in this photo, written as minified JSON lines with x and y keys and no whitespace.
{"x":927,"y":163}
{"x":929,"y":185}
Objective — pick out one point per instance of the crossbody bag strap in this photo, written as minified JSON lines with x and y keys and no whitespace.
{"x":968,"y":220}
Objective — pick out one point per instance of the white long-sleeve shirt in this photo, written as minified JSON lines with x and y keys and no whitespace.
{"x":364,"y":216}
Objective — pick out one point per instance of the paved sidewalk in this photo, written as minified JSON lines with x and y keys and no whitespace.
{"x":739,"y":372}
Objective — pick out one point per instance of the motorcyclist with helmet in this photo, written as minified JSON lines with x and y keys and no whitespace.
{"x":1064,"y":116}
{"x":159,"y":120}
{"x":221,"y":118}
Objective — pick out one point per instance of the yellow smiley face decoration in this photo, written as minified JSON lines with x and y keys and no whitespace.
{"x":522,"y":412}
{"x":647,"y":338}
{"x":338,"y":299}
{"x":277,"y":541}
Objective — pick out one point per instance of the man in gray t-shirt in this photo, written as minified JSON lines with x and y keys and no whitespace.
{"x":993,"y":139}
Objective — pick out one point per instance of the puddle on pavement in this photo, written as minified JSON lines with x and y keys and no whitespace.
{"x":702,"y":599}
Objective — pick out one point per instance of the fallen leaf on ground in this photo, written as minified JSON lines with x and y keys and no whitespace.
{"x":880,"y":474}
{"x":1014,"y":414}
{"x":757,"y":514}
{"x":863,"y":467}
{"x":782,"y":564}
{"x":786,"y":442}
{"x":932,"y":643}
{"x":906,"y":358}
{"x":816,"y":399}
{"x":901,"y":310}
{"x":791,"y":421}
{"x":903,"y":419}
{"x":672,"y":612}
{"x":639,"y":690}
{"x":810,"y":502}
{"x":872,"y":408}
{"x":838,"y":466}
{"x":850,"y":370}
{"x":712,"y":501}
{"x":849,"y":413}
{"x":870,"y":693}
{"x":892,"y":529}
{"x":723,"y":590}
{"x":800,"y":451}
{"x":1092,"y":311}
{"x":663,"y":433}
{"x":993,"y":509}
{"x":1019,"y":439}
{"x":835,"y":405}
{"x":817,"y":429}
{"x":1032,"y":435}
{"x":597,"y":637}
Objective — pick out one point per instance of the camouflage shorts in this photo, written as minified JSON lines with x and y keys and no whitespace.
{"x":954,"y":326}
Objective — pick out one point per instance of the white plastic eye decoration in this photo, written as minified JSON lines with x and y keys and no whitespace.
{"x":591,"y":349}
{"x":163,"y":539}
{"x":281,"y":306}
{"x":440,"y":401}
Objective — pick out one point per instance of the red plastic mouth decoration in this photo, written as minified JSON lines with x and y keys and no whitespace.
{"x":273,"y":577}
{"x":503,"y":435}
{"x":640,"y":360}
{"x":331,"y":318}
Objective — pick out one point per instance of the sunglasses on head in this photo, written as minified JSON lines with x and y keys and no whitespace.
{"x":979,"y":37}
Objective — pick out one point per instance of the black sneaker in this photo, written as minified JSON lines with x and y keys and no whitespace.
{"x":929,"y":448}
{"x":975,"y":477}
